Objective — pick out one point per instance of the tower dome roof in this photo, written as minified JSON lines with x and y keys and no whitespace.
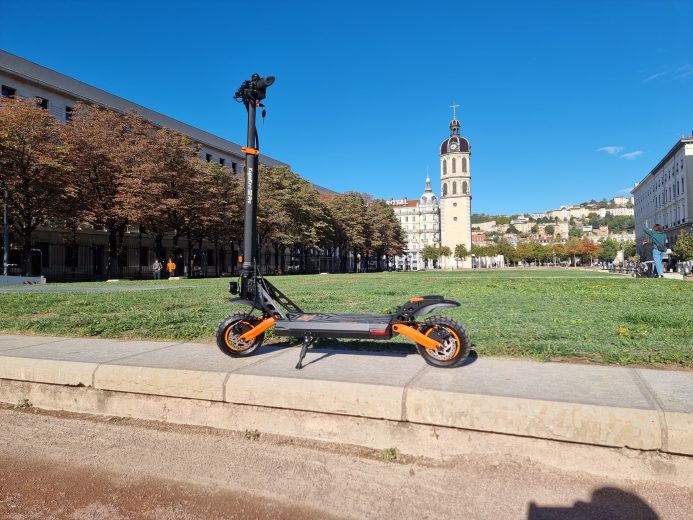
{"x":454,"y":143}
{"x":428,"y":197}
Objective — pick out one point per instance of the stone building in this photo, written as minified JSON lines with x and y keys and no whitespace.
{"x":455,"y":195}
{"x":448,"y":222}
{"x":420,"y":220}
{"x":664,"y":196}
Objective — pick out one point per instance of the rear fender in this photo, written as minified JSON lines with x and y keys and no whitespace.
{"x":421,"y":305}
{"x":435,"y":306}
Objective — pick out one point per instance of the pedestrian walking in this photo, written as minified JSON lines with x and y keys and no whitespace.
{"x":659,"y":247}
{"x":156,"y":268}
{"x":170,"y":267}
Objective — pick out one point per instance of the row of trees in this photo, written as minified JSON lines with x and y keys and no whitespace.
{"x":574,"y":249}
{"x":105,"y":168}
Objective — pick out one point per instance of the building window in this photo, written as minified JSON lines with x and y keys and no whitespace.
{"x":234,"y":167}
{"x":454,"y":165}
{"x":445,"y":189}
{"x":222,"y":161}
{"x":454,"y":219}
{"x":208,"y":156}
{"x":445,"y":162}
{"x":464,"y":188}
{"x":454,"y":186}
{"x":8,"y":91}
{"x":68,"y":113}
{"x":454,"y":204}
{"x":42,"y":103}
{"x":464,"y":165}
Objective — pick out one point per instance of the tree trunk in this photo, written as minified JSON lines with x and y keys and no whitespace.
{"x":111,"y":268}
{"x":189,"y":263}
{"x":26,"y":255}
{"x":122,"y":250}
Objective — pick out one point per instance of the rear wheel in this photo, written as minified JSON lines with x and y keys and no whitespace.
{"x":229,"y":335}
{"x":452,"y":335}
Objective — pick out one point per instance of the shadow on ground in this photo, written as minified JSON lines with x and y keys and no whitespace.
{"x":607,"y":503}
{"x":330,"y":347}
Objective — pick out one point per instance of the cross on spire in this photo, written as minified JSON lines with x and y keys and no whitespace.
{"x":454,"y":107}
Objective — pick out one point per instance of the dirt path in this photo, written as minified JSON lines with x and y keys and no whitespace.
{"x":81,"y":467}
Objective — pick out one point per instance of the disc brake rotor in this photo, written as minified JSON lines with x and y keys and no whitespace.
{"x":443,"y":336}
{"x":233,"y":337}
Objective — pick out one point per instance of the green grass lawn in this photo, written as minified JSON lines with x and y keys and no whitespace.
{"x":539,"y":314}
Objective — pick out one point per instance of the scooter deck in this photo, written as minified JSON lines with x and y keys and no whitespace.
{"x":362,"y":326}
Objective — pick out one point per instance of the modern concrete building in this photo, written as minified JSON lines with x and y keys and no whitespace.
{"x":81,"y":253}
{"x":664,"y":196}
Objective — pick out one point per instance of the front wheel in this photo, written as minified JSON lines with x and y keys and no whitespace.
{"x":452,"y":335}
{"x":229,"y":335}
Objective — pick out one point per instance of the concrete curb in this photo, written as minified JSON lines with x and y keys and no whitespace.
{"x":604,"y":406}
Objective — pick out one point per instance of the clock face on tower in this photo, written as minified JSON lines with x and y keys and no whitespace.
{"x":453,"y":146}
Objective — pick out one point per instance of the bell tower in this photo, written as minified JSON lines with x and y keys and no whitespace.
{"x":455,"y":194}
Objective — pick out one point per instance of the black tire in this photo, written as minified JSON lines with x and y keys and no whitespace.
{"x":229,"y":331}
{"x":451,"y":333}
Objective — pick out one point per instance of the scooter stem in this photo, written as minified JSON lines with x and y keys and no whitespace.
{"x":251,"y":191}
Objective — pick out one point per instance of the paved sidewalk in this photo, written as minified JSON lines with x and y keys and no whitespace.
{"x":608,"y":406}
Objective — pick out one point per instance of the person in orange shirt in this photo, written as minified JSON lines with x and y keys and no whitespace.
{"x":170,"y":267}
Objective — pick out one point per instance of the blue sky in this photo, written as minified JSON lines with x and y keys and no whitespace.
{"x":561,"y":101}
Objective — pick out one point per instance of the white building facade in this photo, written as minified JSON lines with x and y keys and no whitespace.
{"x":664,"y":196}
{"x":420,"y":220}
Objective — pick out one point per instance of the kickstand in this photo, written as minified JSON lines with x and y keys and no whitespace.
{"x":307,"y":340}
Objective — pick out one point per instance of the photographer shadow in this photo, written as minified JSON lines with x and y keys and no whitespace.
{"x":607,"y":503}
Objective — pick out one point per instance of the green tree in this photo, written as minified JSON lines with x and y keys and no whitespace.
{"x":574,"y":231}
{"x":292,"y":214}
{"x":31,"y":168}
{"x":348,"y":211}
{"x":610,"y":248}
{"x":461,"y":253}
{"x":431,"y":253}
{"x":683,"y":249}
{"x":112,"y":173}
{"x":504,"y":248}
{"x":384,"y":234}
{"x":629,"y":249}
{"x":535,"y":229}
{"x":549,"y":230}
{"x":176,"y":183}
{"x":222,"y":220}
{"x":593,"y":220}
{"x":512,"y":229}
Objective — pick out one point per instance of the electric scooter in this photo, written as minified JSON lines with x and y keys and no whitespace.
{"x":442,"y":341}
